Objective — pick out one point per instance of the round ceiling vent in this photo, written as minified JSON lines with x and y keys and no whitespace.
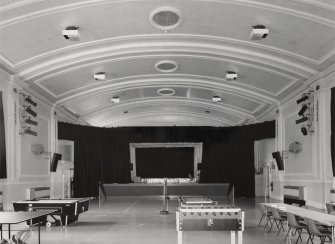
{"x":166,"y":18}
{"x":166,"y":66}
{"x":166,"y":92}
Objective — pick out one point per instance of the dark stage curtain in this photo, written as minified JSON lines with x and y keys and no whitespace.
{"x":102,"y":154}
{"x":332,"y":114}
{"x":3,"y":168}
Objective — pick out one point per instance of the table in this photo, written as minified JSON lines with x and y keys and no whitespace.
{"x":10,"y":218}
{"x":203,"y":214}
{"x":68,"y":209}
{"x":323,"y":218}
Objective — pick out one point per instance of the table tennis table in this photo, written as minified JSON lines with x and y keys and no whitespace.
{"x":12,"y":218}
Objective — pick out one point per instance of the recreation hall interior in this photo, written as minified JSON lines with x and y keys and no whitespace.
{"x":186,"y":121}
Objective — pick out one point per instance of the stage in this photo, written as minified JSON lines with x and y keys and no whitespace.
{"x":186,"y":189}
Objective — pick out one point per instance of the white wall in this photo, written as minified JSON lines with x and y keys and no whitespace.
{"x":24,"y":168}
{"x":312,"y":166}
{"x":263,"y":155}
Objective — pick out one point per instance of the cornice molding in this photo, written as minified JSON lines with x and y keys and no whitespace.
{"x":155,"y":113}
{"x":221,"y":108}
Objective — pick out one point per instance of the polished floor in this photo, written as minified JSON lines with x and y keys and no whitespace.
{"x":126,"y":220}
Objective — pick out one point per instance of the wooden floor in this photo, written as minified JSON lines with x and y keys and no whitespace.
{"x":137,"y":221}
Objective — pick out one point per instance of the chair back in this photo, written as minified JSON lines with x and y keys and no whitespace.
{"x":312,"y":227}
{"x":330,"y":209}
{"x":263,"y":209}
{"x":292,"y":220}
{"x":275,"y":213}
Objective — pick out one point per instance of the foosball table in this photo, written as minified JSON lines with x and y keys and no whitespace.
{"x":204,"y":214}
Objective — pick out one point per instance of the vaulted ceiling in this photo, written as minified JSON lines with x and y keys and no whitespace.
{"x":148,"y":48}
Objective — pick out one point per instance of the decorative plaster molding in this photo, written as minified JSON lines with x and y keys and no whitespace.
{"x":249,"y":3}
{"x":153,"y":113}
{"x":43,"y":64}
{"x":187,"y":102}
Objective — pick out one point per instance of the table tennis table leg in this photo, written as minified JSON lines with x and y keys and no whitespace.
{"x":180,"y":237}
{"x":239,"y":237}
{"x":233,"y":237}
{"x":333,"y":229}
{"x":8,"y":231}
{"x":39,"y":234}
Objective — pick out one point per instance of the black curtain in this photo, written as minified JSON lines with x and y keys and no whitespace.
{"x":102,"y":154}
{"x":3,"y":168}
{"x":332,"y":121}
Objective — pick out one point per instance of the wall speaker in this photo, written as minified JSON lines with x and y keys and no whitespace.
{"x":279,"y":161}
{"x":54,"y":162}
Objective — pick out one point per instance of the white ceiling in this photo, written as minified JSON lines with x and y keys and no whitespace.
{"x":117,"y":37}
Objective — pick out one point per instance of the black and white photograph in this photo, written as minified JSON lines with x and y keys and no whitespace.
{"x":167,"y":121}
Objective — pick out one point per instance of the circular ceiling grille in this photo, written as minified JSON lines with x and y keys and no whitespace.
{"x":166,"y":66}
{"x":165,"y":18}
{"x":166,"y":92}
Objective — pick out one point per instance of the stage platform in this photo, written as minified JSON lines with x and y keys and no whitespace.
{"x":191,"y":189}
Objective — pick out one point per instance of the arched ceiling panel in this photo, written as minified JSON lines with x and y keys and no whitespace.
{"x":117,"y":37}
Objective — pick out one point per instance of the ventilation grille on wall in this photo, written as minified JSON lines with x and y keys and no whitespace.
{"x":166,"y":66}
{"x":165,"y":18}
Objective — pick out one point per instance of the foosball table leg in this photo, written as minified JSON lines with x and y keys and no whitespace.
{"x":180,"y":237}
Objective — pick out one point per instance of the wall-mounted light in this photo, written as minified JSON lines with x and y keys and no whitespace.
{"x":303,"y":109}
{"x":30,"y":101}
{"x":30,"y":132}
{"x":301,"y":120}
{"x":31,"y":122}
{"x":30,"y":111}
{"x":304,"y":130}
{"x":303,"y":98}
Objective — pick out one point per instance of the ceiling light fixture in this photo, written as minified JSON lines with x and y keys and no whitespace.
{"x":115,"y":100}
{"x":71,"y":33}
{"x":259,"y":32}
{"x":216,"y":99}
{"x":231,"y":75}
{"x":100,"y":76}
